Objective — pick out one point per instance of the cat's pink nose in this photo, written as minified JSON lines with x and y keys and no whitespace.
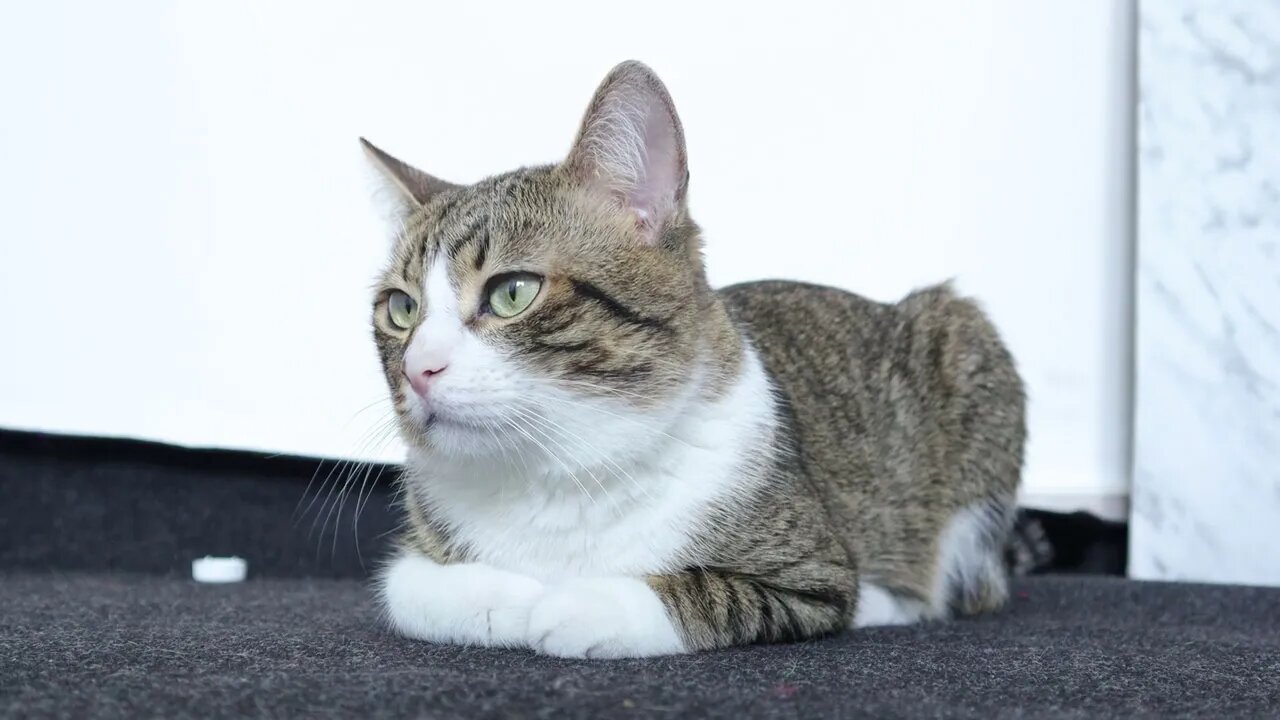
{"x":421,"y":379}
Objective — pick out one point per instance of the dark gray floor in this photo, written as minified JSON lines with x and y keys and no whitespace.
{"x":84,"y":644}
{"x":98,"y":620}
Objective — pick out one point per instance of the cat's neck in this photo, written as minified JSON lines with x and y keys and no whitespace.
{"x":714,"y":450}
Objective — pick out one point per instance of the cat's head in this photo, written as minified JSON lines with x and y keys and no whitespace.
{"x":556,"y":312}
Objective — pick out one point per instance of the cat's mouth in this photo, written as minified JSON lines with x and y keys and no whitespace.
{"x":437,"y":422}
{"x":438,"y":419}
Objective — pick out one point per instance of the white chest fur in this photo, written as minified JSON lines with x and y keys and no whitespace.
{"x":638,"y":513}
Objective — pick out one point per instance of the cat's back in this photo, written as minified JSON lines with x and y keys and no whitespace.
{"x":893,"y":405}
{"x":804,"y":329}
{"x":832,"y":355}
{"x":828,"y":348}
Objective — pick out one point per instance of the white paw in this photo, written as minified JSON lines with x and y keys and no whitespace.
{"x":602,"y":618}
{"x":877,"y":606}
{"x":468,"y":604}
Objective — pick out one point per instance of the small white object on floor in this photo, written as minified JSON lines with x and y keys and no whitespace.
{"x":209,"y":569}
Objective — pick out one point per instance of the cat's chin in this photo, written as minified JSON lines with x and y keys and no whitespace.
{"x":449,"y":423}
{"x":442,"y":434}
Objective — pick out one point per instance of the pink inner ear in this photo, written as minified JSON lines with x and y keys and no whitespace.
{"x":654,"y":194}
{"x":630,"y":146}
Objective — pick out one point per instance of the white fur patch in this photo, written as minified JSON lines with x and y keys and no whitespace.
{"x":593,"y":487}
{"x":435,"y":341}
{"x":966,"y":558}
{"x":877,"y":606}
{"x":467,"y":604}
{"x":603,"y":618}
{"x":586,"y":496}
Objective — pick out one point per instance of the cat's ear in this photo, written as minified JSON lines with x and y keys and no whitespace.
{"x":412,"y":187}
{"x":631,"y":146}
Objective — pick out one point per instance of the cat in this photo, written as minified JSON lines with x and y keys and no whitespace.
{"x":608,"y":458}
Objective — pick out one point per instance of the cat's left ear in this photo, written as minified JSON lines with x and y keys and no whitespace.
{"x":412,"y":187}
{"x":631,"y":147}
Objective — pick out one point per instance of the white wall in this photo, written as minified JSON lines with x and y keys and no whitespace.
{"x":187,"y":238}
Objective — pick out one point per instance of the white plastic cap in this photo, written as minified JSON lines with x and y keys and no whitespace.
{"x":210,"y":569}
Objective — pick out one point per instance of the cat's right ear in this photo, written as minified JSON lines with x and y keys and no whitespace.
{"x":411,"y":187}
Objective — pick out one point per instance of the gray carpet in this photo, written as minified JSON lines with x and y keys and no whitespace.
{"x":100,"y":645}
{"x":98,"y":620}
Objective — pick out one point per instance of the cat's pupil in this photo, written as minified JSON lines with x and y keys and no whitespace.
{"x":512,"y":286}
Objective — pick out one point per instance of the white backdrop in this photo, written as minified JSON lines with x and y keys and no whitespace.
{"x":187,"y":237}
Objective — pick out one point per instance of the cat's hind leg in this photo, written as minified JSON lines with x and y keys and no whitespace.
{"x":970,"y":576}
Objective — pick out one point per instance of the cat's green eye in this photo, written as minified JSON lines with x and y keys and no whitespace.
{"x":511,"y":295}
{"x":402,"y":309}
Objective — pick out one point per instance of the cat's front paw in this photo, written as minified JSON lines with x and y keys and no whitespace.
{"x":602,"y":618}
{"x":469,"y":604}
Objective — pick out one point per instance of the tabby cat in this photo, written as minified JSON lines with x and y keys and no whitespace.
{"x":608,"y":458}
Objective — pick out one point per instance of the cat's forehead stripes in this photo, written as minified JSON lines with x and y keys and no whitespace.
{"x":460,"y":225}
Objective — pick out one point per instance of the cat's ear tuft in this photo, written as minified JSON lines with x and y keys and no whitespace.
{"x":631,"y":146}
{"x":412,"y":187}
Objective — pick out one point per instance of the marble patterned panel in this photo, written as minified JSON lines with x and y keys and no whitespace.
{"x":1206,"y":492}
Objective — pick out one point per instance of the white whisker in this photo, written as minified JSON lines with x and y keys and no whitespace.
{"x":552,"y":455}
{"x":592,"y":408}
{"x":365,"y":439}
{"x":617,"y":469}
{"x":567,"y":451}
{"x":343,"y":474}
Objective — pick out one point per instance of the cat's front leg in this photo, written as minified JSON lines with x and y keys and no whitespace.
{"x":464,"y":604}
{"x":687,"y":611}
{"x":610,"y":617}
